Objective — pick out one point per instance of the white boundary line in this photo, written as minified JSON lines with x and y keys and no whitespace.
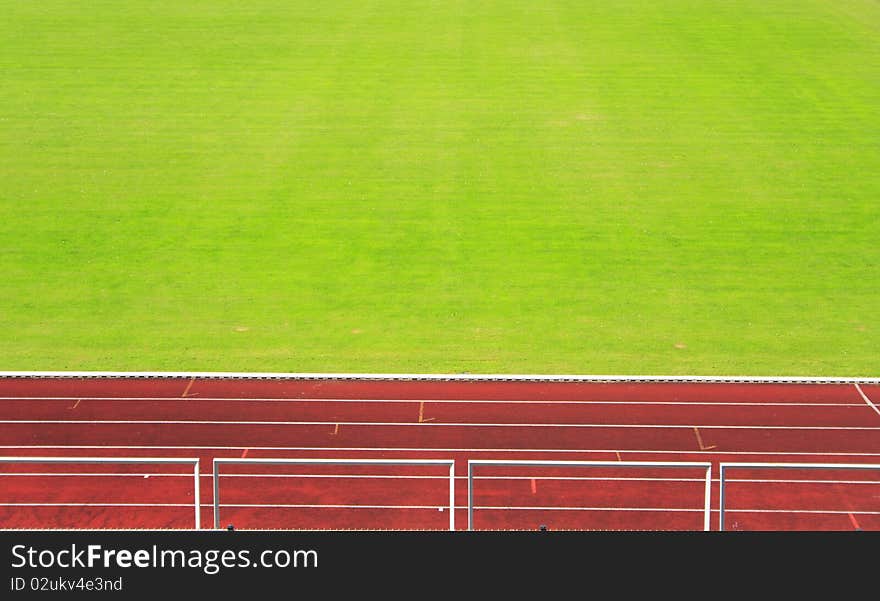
{"x":333,"y":506}
{"x":563,"y":508}
{"x":444,"y":478}
{"x":866,"y":399}
{"x":441,"y":450}
{"x":629,"y":403}
{"x":426,"y":507}
{"x":437,"y":377}
{"x":428,"y":424}
{"x":187,"y":505}
{"x":808,"y":511}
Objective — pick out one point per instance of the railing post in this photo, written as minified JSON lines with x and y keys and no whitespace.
{"x":452,"y":496}
{"x":470,"y":495}
{"x":707,"y":517}
{"x":216,"y":481}
{"x":197,"y":495}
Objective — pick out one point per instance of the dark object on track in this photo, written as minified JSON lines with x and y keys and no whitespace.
{"x":230,"y":527}
{"x":542,"y":528}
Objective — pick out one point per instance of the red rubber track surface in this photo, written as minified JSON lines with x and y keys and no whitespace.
{"x":454,"y":420}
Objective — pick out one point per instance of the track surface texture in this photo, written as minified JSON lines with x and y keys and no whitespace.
{"x":454,"y":419}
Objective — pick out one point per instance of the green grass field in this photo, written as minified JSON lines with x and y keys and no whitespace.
{"x":507,"y":186}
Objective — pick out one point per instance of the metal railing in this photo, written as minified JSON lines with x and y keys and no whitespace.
{"x":723,"y":467}
{"x":450,"y":464}
{"x":591,"y":464}
{"x":125,"y":460}
{"x":386,"y":462}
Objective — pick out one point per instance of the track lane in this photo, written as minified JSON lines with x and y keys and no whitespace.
{"x":98,"y":517}
{"x":414,"y":390}
{"x":446,"y":436}
{"x":826,"y":415}
{"x":839,"y":521}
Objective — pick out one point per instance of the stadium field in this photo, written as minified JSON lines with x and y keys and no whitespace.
{"x":510,"y":186}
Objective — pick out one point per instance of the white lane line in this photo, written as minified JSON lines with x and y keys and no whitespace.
{"x":441,"y":449}
{"x":188,"y":505}
{"x":117,"y":474}
{"x":867,"y":400}
{"x":114,"y":422}
{"x":600,"y":378}
{"x":311,"y":506}
{"x":443,"y":478}
{"x":701,"y":510}
{"x":457,"y":507}
{"x":435,"y":507}
{"x":190,"y":401}
{"x":342,"y":506}
{"x":554,"y":508}
{"x":829,"y":511}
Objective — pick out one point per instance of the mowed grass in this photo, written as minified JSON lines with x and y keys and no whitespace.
{"x":508,"y":186}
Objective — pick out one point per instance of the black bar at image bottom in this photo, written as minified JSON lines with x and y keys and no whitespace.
{"x":130,"y":563}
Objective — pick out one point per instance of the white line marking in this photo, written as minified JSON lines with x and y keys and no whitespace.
{"x":832,"y":511}
{"x":189,"y":505}
{"x":628,"y":403}
{"x":772,"y":481}
{"x":552,"y":508}
{"x":867,"y":400}
{"x":442,"y":424}
{"x":443,"y":478}
{"x":192,"y":400}
{"x":440,"y":449}
{"x":113,"y":422}
{"x":434,"y":507}
{"x":334,"y":506}
{"x":343,"y":506}
{"x":809,"y":511}
{"x":80,"y":474}
{"x":437,"y":377}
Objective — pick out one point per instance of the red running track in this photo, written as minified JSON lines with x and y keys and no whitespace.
{"x":458,"y":420}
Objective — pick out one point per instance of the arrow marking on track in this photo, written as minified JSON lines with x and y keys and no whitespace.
{"x":188,"y":386}
{"x":422,"y":419}
{"x":700,"y":441}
